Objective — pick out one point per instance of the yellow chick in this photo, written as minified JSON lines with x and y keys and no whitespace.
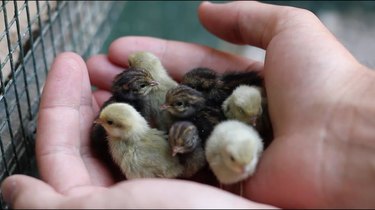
{"x":244,"y":104}
{"x":140,"y":151}
{"x":152,"y":64}
{"x":233,"y":150}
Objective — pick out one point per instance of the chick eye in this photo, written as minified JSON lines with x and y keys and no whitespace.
{"x":179,"y":103}
{"x":232,"y":158}
{"x":109,"y":122}
{"x":142,"y":85}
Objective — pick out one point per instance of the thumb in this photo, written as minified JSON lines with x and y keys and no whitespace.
{"x":20,"y":191}
{"x":252,"y":22}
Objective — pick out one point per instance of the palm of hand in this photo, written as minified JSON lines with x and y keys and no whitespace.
{"x":312,"y":85}
{"x":304,"y":109}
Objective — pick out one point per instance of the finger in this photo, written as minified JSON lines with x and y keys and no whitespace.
{"x":251,"y":22}
{"x":58,"y":134}
{"x":102,"y":71}
{"x":179,"y":57}
{"x":23,"y":192}
{"x":98,"y":171}
{"x":177,"y":194}
{"x":101,"y":96}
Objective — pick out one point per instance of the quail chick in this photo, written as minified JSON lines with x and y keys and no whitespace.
{"x":186,"y":144}
{"x":216,"y":88}
{"x":152,"y":64}
{"x":201,"y":79}
{"x":130,"y":86}
{"x":233,"y":151}
{"x":248,"y":104}
{"x":232,"y":79}
{"x":244,"y":104}
{"x":264,"y":126}
{"x":207,"y":82}
{"x":140,"y":151}
{"x":133,"y":86}
{"x":186,"y":103}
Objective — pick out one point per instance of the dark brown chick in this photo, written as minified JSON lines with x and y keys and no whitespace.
{"x":216,"y":88}
{"x":206,"y":81}
{"x":132,"y":87}
{"x":201,"y":79}
{"x":186,"y":103}
{"x":232,"y":79}
{"x":186,"y":144}
{"x":264,"y":126}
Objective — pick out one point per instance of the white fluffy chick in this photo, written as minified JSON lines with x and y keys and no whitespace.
{"x":140,"y":151}
{"x":152,"y":64}
{"x":233,"y":150}
{"x":244,"y":104}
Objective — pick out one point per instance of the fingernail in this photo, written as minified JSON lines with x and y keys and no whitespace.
{"x":8,"y":188}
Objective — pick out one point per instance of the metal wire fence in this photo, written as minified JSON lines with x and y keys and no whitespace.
{"x":32,"y":33}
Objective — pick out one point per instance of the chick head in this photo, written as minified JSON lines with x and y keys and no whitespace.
{"x":200,"y":79}
{"x":133,"y":83}
{"x":183,"y":101}
{"x":145,"y":60}
{"x":244,"y":104}
{"x":239,"y":146}
{"x":183,"y":137}
{"x":239,"y":157}
{"x":121,"y":120}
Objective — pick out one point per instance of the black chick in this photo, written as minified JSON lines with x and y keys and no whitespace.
{"x":216,"y":88}
{"x":201,"y":79}
{"x":186,"y":103}
{"x":229,"y":81}
{"x":185,"y":143}
{"x":207,"y":82}
{"x":264,"y":126}
{"x":232,"y":79}
{"x":130,"y":86}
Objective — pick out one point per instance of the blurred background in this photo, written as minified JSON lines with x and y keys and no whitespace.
{"x":351,"y":21}
{"x":32,"y":33}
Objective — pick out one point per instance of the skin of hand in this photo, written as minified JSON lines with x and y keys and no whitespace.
{"x":320,"y":102}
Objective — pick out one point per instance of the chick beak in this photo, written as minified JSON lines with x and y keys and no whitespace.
{"x":176,"y":150}
{"x":253,"y":121}
{"x":164,"y":106}
{"x":154,"y":83}
{"x":98,"y":121}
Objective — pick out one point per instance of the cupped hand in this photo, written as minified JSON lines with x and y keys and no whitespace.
{"x":318,"y":95}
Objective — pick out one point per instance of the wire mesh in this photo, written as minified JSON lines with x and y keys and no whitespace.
{"x":32,"y":33}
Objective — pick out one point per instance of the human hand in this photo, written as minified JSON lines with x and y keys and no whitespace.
{"x":73,"y":177}
{"x":319,"y":101}
{"x":292,"y":172}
